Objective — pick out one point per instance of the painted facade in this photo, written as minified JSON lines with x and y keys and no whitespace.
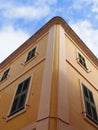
{"x":50,"y":82}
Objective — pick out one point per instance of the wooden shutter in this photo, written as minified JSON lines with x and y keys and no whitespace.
{"x":31,"y":54}
{"x":5,"y":74}
{"x":82,"y":60}
{"x":91,"y":112}
{"x":20,"y":97}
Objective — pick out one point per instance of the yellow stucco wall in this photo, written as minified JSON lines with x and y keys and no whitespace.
{"x":63,"y":80}
{"x":76,"y":75}
{"x":18,"y":73}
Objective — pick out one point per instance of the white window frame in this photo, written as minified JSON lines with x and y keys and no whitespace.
{"x":77,"y":57}
{"x":83,"y":105}
{"x":1,"y":80}
{"x":36,"y":53}
{"x":26,"y":101}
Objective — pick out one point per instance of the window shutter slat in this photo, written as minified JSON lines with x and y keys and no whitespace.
{"x":20,"y":97}
{"x":31,"y":54}
{"x":91,"y":112}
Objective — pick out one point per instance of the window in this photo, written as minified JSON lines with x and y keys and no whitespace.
{"x":82,"y":60}
{"x":31,"y":54}
{"x":5,"y":74}
{"x":20,"y":97}
{"x":90,"y":107}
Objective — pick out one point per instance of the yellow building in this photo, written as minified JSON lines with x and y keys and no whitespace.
{"x":50,"y":82}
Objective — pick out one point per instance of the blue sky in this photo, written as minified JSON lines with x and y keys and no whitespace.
{"x":21,"y":19}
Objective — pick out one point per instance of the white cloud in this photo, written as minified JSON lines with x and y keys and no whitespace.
{"x":35,"y":10}
{"x":79,"y":4}
{"x":46,"y":2}
{"x":11,"y":11}
{"x":95,"y":7}
{"x":10,"y":39}
{"x":26,"y":12}
{"x":88,"y":34}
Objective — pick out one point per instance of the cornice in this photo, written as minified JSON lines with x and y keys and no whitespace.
{"x":42,"y":31}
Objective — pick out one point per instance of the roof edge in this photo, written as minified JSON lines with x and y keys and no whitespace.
{"x":44,"y":29}
{"x":34,"y":37}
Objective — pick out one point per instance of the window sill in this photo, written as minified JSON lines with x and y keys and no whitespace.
{"x":16,"y":114}
{"x":90,"y":121}
{"x":2,"y":81}
{"x":86,"y":69}
{"x":27,"y":62}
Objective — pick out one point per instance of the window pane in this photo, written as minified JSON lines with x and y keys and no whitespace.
{"x":20,"y":97}
{"x":90,"y":105}
{"x":82,"y":60}
{"x":83,"y":63}
{"x":91,"y":97}
{"x":26,"y":84}
{"x":14,"y":107}
{"x":5,"y":74}
{"x":88,"y":109}
{"x":94,"y":114}
{"x":85,"y":91}
{"x":22,"y":101}
{"x":31,"y":54}
{"x":19,"y":89}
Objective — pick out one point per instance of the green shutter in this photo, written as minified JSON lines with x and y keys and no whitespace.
{"x":20,"y":97}
{"x":91,"y":112}
{"x":31,"y":54}
{"x":82,"y":60}
{"x":5,"y":74}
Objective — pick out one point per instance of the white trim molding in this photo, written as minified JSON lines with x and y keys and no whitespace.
{"x":62,"y":111}
{"x":44,"y":106}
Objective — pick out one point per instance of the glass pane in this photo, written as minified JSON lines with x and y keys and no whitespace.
{"x":22,"y":101}
{"x":19,"y":89}
{"x":82,"y":60}
{"x":91,"y":97}
{"x":5,"y":74}
{"x":26,"y":84}
{"x":85,"y":91}
{"x":31,"y":54}
{"x":88,"y":109}
{"x":14,"y":107}
{"x":20,"y":97}
{"x":94,"y":114}
{"x":83,"y":63}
